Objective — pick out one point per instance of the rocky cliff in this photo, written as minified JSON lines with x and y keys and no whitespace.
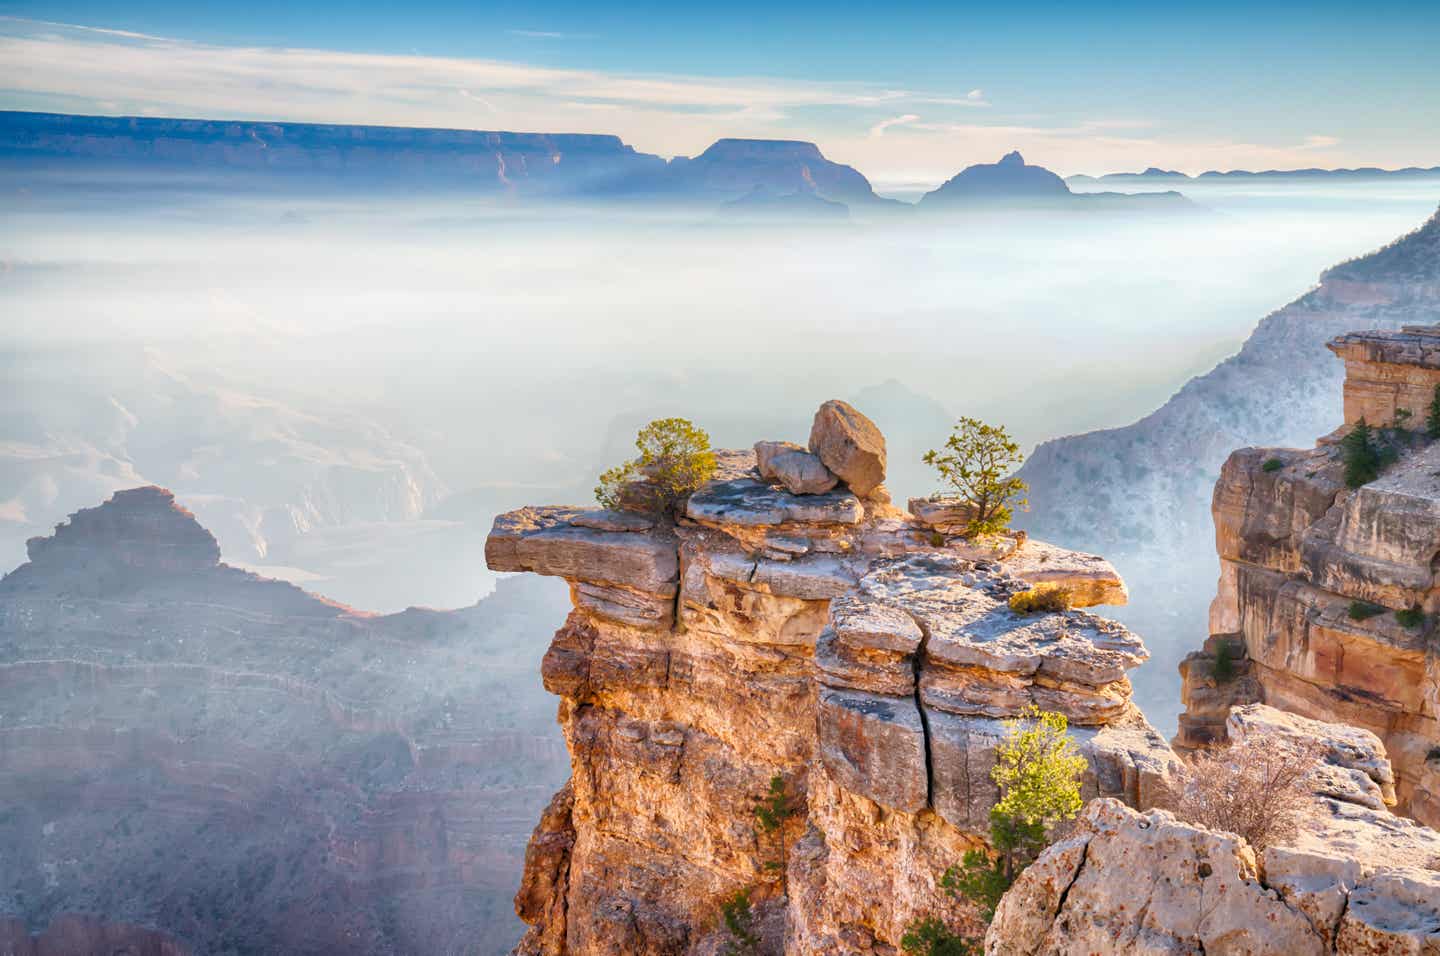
{"x":1148,"y":484}
{"x":202,"y":760}
{"x":537,"y":163}
{"x":1327,"y":594}
{"x":864,"y":656}
{"x":1356,"y":881}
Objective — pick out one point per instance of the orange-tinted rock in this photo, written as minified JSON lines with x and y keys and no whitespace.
{"x":1314,"y":573}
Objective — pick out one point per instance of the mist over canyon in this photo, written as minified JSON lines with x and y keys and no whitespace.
{"x":345,"y":380}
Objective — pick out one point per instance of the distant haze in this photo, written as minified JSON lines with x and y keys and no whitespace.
{"x":345,"y":389}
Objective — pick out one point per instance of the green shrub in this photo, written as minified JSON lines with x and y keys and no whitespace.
{"x":675,"y":459}
{"x":1364,"y":610}
{"x":739,"y":921}
{"x":771,"y":812}
{"x":1410,"y":617}
{"x":1041,"y":598}
{"x":978,"y":462}
{"x":1432,"y":420}
{"x":1224,"y":671}
{"x":1038,"y":771}
{"x":930,"y":937}
{"x":937,"y":540}
{"x":1362,"y":455}
{"x":1272,"y":464}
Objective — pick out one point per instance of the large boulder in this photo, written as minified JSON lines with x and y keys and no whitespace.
{"x":801,"y":472}
{"x":850,"y":445}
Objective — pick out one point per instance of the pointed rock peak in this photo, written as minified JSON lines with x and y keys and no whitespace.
{"x":138,"y":528}
{"x":1012,"y":158}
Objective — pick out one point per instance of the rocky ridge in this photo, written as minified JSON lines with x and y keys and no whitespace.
{"x":1358,"y":880}
{"x":205,"y":760}
{"x":865,"y":657}
{"x":1327,"y":594}
{"x":1147,"y":485}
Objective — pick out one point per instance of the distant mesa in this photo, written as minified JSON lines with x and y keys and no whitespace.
{"x":734,"y":169}
{"x":1364,"y":172}
{"x":526,"y":165}
{"x":1013,"y":183}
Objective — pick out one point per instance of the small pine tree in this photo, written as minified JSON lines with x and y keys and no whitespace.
{"x":1361,"y":455}
{"x":771,"y":812}
{"x":978,"y":463}
{"x":1432,"y":420}
{"x":739,"y":921}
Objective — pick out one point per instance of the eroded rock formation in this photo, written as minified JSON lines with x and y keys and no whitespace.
{"x":1327,"y":595}
{"x":1357,"y":880}
{"x":204,"y":760}
{"x":864,"y":656}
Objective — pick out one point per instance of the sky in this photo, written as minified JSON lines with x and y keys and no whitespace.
{"x":908,"y":93}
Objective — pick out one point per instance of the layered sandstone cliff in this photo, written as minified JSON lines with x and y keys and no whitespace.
{"x":201,"y":760}
{"x":865,"y":656}
{"x":1327,"y":595}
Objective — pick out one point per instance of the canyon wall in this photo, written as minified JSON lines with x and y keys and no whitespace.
{"x":197,"y":759}
{"x":790,"y":627}
{"x":1148,"y":485}
{"x":1328,"y":595}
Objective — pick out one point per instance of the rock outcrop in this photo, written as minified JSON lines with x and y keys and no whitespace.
{"x":1327,"y":595}
{"x":208,"y":761}
{"x":1014,"y":184}
{"x":1141,"y":494}
{"x":829,"y":641}
{"x":1148,"y":484}
{"x":1357,"y":880}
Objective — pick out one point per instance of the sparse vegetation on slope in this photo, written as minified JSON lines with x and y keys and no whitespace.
{"x":1038,"y":771}
{"x":1251,"y":789}
{"x":1041,"y":598}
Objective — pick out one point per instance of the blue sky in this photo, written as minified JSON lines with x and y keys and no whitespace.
{"x":904,"y":91}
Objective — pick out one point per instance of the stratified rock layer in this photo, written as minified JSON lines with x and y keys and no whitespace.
{"x":863,"y":658}
{"x":1327,"y":595}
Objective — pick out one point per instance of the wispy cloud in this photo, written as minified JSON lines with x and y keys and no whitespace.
{"x":879,"y":128}
{"x":546,"y":34}
{"x":49,"y":65}
{"x":1319,"y":142}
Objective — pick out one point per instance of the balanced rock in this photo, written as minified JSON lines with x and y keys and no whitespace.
{"x":803,"y":473}
{"x":850,"y":445}
{"x":767,"y":451}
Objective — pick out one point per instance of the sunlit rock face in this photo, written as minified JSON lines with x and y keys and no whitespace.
{"x":1354,"y":880}
{"x":853,"y":650}
{"x":1313,"y":573}
{"x":203,"y":760}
